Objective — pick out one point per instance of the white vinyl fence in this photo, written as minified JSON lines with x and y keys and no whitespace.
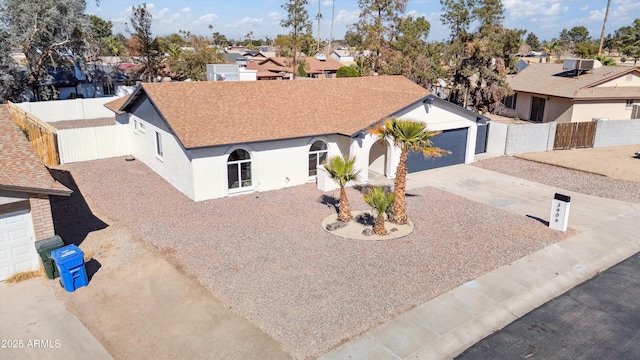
{"x":93,"y":143}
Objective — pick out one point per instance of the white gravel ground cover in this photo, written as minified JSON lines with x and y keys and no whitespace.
{"x":568,"y":179}
{"x":265,"y":255}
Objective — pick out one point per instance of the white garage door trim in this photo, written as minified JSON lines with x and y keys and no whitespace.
{"x":17,"y":250}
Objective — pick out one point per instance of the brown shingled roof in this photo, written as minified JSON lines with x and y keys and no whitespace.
{"x":317,"y":66}
{"x":215,"y":113}
{"x":550,"y":79}
{"x":22,"y":171}
{"x":116,"y":104}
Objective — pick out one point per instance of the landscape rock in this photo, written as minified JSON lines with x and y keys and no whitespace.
{"x":367,"y":232}
{"x":336,"y":225}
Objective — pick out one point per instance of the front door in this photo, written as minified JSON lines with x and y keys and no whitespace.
{"x":537,"y":109}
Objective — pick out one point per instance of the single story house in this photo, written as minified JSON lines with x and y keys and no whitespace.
{"x":546,"y":92}
{"x":25,"y":211}
{"x":344,"y":56}
{"x":216,"y":139}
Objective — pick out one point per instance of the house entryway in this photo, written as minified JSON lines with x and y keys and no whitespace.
{"x":537,"y":109}
{"x":378,"y":160}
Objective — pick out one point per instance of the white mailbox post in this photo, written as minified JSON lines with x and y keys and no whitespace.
{"x":560,"y":212}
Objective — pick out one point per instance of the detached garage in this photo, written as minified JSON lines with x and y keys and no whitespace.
{"x":25,"y":211}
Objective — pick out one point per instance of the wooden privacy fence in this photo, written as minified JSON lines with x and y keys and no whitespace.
{"x":575,"y":135}
{"x":42,"y":136}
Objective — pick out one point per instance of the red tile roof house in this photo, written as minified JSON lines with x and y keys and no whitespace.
{"x":25,"y":211}
{"x":215,"y":139}
{"x":546,"y":92}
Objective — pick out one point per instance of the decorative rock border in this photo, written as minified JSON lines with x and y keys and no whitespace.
{"x":355,"y":229}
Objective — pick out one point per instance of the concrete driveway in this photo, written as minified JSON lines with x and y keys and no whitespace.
{"x":36,"y":325}
{"x":445,"y":326}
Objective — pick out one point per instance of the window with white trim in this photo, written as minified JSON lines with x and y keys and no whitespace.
{"x":141,"y":126}
{"x":317,"y":155}
{"x":159,"y":151}
{"x":239,"y":169}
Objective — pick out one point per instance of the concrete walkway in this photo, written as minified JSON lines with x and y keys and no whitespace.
{"x":447,"y":325}
{"x":34,"y":324}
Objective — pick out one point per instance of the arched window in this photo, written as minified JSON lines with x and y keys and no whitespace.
{"x":239,"y":169}
{"x":317,"y":155}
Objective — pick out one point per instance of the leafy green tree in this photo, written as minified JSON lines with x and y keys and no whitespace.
{"x":342,"y":172}
{"x":533,"y":42}
{"x":579,"y":34}
{"x":193,"y":65}
{"x":297,"y":21}
{"x":146,"y":44}
{"x":479,"y":60}
{"x":408,"y":54}
{"x":630,"y":40}
{"x":219,"y":39}
{"x":353,"y":39}
{"x":347,"y":71}
{"x":283,"y":44}
{"x":409,"y":136}
{"x":378,"y":19}
{"x":380,"y":200}
{"x":13,"y":82}
{"x":586,"y":50}
{"x":48,"y":32}
{"x":166,"y":42}
{"x":115,"y":45}
{"x":101,"y":31}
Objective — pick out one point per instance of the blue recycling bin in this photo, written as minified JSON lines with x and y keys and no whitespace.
{"x":70,"y":263}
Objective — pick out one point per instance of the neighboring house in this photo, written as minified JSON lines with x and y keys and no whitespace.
{"x":216,"y":139}
{"x":344,"y":56}
{"x":280,"y":67}
{"x":320,"y":66}
{"x":546,"y":92}
{"x":25,"y":211}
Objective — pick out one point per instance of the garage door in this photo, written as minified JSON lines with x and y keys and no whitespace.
{"x":454,"y":140}
{"x":17,"y":250}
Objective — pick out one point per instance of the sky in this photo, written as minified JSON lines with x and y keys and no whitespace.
{"x":237,"y":18}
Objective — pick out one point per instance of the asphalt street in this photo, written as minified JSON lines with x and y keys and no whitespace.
{"x":598,"y":319}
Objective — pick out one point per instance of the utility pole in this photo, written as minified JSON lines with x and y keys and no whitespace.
{"x":604,"y":24}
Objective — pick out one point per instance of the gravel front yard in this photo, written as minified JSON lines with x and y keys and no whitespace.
{"x":265,"y":255}
{"x":568,"y":179}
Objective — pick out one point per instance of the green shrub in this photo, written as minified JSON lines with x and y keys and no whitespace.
{"x":347,"y":71}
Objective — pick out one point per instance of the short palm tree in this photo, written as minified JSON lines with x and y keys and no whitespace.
{"x":380,"y":200}
{"x":408,"y":135}
{"x":342,"y":172}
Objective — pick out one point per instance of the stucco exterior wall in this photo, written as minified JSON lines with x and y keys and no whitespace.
{"x":274,"y":165}
{"x":628,"y":80}
{"x":617,"y":133}
{"x":610,"y":109}
{"x":497,"y":138}
{"x":523,"y":106}
{"x":174,"y":165}
{"x":558,"y":109}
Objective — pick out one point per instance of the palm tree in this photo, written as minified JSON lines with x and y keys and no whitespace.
{"x":408,"y":135}
{"x":380,"y":200}
{"x":342,"y":172}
